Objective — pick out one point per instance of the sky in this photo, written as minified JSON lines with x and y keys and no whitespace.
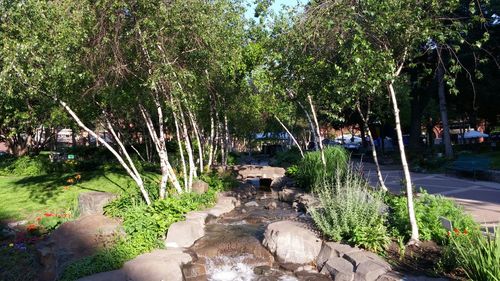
{"x":277,"y":6}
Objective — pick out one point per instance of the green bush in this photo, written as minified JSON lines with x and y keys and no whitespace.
{"x":287,"y":158}
{"x":350,"y":211}
{"x":311,"y":170}
{"x":28,"y":166}
{"x":292,"y":171}
{"x":478,"y":256}
{"x":428,"y":210}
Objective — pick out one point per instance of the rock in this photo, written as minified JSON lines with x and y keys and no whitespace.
{"x":271,"y":206}
{"x":252,"y":204}
{"x":251,"y":171}
{"x":311,"y":276}
{"x":243,"y":211}
{"x":340,"y":269}
{"x":225,"y":204}
{"x":390,"y":276}
{"x":357,"y":258}
{"x":306,"y":201}
{"x":183,"y":234}
{"x":370,"y":271}
{"x":333,"y":250}
{"x":115,"y":275}
{"x":92,"y":203}
{"x":74,"y":240}
{"x":199,"y":186}
{"x":194,"y":272}
{"x":201,"y":216}
{"x":291,"y":242}
{"x":15,"y":224}
{"x":157,"y":265}
{"x":280,"y":182}
{"x":288,"y":195}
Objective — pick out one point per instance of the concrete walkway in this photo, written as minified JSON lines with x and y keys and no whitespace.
{"x":480,"y":198}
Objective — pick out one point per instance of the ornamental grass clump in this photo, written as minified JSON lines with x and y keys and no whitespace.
{"x":350,"y":211}
{"x":311,"y":171}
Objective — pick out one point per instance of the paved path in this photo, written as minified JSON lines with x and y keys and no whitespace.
{"x":480,"y":198}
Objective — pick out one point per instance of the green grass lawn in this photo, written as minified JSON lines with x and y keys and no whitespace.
{"x":27,"y":197}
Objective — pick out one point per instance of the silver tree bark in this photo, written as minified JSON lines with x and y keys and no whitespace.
{"x":406,"y":170}
{"x":136,"y":177}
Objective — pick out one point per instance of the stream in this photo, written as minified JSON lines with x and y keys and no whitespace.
{"x":231,"y":249}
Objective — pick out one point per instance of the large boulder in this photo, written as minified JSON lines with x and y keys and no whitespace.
{"x":157,"y":265}
{"x":92,"y":203}
{"x":74,"y":240}
{"x":115,"y":275}
{"x":251,"y":171}
{"x":292,"y":242}
{"x":199,"y":186}
{"x":184,"y":233}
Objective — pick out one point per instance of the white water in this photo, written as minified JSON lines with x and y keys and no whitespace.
{"x":228,"y":269}
{"x":224,"y":268}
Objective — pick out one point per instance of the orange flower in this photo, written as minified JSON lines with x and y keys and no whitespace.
{"x":466,"y":232}
{"x":78,"y":177}
{"x":448,"y":233}
{"x":49,"y":214}
{"x":66,"y":187}
{"x":457,"y":232}
{"x":38,"y":219}
{"x":70,"y":180}
{"x":31,"y":227}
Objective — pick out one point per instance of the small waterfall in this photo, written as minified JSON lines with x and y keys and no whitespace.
{"x":224,"y":268}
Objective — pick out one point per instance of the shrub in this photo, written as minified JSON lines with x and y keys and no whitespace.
{"x":477,"y":255}
{"x":287,"y":158}
{"x":428,"y":210}
{"x":292,"y":171}
{"x":311,"y":170}
{"x":28,"y":166}
{"x":350,"y":211}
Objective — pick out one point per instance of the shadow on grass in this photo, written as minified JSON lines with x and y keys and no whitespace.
{"x":44,"y":187}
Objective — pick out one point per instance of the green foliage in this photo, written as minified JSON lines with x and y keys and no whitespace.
{"x":428,"y":210}
{"x":477,"y":255}
{"x":373,"y":238}
{"x":27,"y":166}
{"x":287,"y":158}
{"x":292,"y":171}
{"x":311,"y":170}
{"x":350,"y":211}
{"x":50,"y":223}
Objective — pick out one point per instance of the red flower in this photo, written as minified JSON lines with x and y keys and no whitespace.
{"x":457,"y":232}
{"x":48,"y":214}
{"x":466,"y":232}
{"x":31,"y":227}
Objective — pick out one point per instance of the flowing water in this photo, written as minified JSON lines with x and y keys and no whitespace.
{"x":231,"y":249}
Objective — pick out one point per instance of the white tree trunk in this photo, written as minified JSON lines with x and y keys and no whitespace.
{"x":189,"y":150}
{"x":406,"y":170}
{"x":136,"y":177}
{"x":211,"y":141}
{"x":320,"y":140}
{"x":311,"y":125}
{"x":226,"y":140}
{"x":166,"y":168}
{"x":198,"y":139}
{"x":293,"y":138}
{"x":375,"y":159}
{"x":181,"y":150}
